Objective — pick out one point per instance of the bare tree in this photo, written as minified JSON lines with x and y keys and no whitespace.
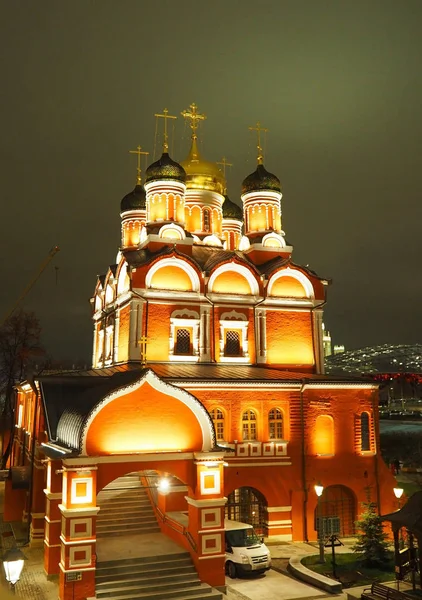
{"x":20,"y":350}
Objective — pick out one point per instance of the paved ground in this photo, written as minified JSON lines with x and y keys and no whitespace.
{"x":34,"y":585}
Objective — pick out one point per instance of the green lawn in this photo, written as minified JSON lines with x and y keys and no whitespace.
{"x":349,"y":569}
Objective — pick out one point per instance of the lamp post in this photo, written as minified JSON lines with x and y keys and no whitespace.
{"x":13,"y":565}
{"x":319,"y":490}
{"x":398,"y":492}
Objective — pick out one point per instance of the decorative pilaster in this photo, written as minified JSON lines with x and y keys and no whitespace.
{"x":78,"y":539}
{"x":53,"y":518}
{"x":206,"y":517}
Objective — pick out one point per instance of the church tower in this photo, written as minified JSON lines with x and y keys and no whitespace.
{"x":261,"y":196}
{"x":133,"y":209}
{"x":165,"y":192}
{"x":205,"y":185}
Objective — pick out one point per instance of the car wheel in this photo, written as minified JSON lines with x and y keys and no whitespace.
{"x":231,"y":570}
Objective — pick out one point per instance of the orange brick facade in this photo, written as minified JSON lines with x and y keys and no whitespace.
{"x":208,"y":368}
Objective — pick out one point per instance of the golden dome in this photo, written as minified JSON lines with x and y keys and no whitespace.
{"x":202,"y":174}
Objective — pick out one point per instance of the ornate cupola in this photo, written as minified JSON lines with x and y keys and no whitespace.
{"x":205,"y":185}
{"x":232,"y":216}
{"x":165,"y":188}
{"x":133,"y":209}
{"x":261,"y":195}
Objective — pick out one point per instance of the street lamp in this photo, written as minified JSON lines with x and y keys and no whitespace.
{"x":318,"y":491}
{"x":13,"y":565}
{"x":398,"y":492}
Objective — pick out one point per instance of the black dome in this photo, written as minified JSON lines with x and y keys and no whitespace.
{"x":261,"y":180}
{"x":165,"y":168}
{"x":135,"y":200}
{"x":232,"y":210}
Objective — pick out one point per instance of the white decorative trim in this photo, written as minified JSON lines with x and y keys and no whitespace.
{"x":66,"y":542}
{"x":295,"y":274}
{"x":87,"y":498}
{"x":272,"y":509}
{"x":241,"y":270}
{"x":174,"y":262}
{"x":81,"y":561}
{"x":216,"y":538}
{"x":79,"y":512}
{"x":216,"y":522}
{"x":217,"y":484}
{"x":174,"y":227}
{"x":53,"y":495}
{"x":88,"y":530}
{"x":63,"y":570}
{"x":261,"y":464}
{"x":130,"y":458}
{"x":287,"y":523}
{"x":273,"y":236}
{"x":206,"y":503}
{"x":159,"y":385}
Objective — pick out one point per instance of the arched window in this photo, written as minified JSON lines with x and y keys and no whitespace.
{"x":183,"y":343}
{"x":365,"y":443}
{"x":249,"y":425}
{"x":248,"y":505}
{"x":275,"y":424}
{"x":207,"y":220}
{"x":324,"y":436}
{"x":217,"y":417}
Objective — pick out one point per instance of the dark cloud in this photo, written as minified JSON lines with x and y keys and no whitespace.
{"x":337,"y":82}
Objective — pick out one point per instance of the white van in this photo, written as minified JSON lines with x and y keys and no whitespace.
{"x":245,"y":551}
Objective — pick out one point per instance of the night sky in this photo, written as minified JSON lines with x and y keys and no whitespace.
{"x":337,"y":82}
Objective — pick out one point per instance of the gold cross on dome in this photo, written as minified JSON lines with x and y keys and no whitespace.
{"x":143,"y":341}
{"x":140,"y":153}
{"x":165,"y":116}
{"x":194,"y":117}
{"x":258,"y":130}
{"x":223,"y":162}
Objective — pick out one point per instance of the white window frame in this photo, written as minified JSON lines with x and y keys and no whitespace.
{"x":184,"y":319}
{"x":234,"y":320}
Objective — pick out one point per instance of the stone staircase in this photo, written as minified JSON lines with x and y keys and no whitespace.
{"x":170,"y":576}
{"x":125,"y":508}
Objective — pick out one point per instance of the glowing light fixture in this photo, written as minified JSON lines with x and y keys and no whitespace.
{"x":13,"y":561}
{"x":398,"y":492}
{"x":163,"y":486}
{"x":318,"y":489}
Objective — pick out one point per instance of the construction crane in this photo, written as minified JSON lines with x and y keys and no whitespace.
{"x":52,"y":253}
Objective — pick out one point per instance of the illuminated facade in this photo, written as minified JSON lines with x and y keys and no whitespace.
{"x":208,"y":367}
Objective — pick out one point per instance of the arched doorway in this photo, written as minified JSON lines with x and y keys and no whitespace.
{"x":248,"y":505}
{"x":337,"y":508}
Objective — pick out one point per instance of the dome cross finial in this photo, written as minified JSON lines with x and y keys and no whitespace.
{"x":194,"y":118}
{"x":223,"y":162}
{"x":165,"y":116}
{"x":140,"y":153}
{"x":258,"y":130}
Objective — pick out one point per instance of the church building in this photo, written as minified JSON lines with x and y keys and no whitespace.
{"x":207,"y":387}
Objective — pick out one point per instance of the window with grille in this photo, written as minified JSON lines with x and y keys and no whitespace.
{"x":249,"y":425}
{"x":275,"y":424}
{"x":207,"y":220}
{"x":365,"y":442}
{"x":182,"y":342}
{"x":247,"y":505}
{"x":232,"y":344}
{"x":217,"y":417}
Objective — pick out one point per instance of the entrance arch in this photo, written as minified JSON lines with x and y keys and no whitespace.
{"x":248,"y":505}
{"x":337,"y":508}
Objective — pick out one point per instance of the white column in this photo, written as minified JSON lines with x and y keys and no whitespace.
{"x":135,"y":329}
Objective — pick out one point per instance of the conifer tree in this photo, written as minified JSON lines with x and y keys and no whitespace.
{"x":372,"y":539}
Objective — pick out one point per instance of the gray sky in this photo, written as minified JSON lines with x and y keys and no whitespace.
{"x":337,"y":82}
